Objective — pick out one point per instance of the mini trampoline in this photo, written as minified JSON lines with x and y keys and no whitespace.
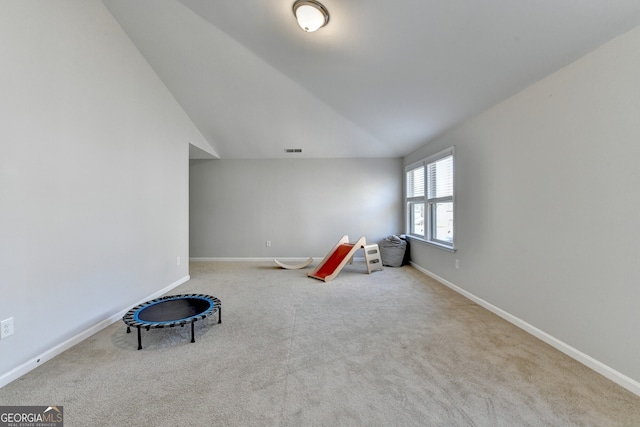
{"x":172,"y":311}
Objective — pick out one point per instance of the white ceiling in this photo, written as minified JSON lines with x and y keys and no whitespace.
{"x":381,"y":79}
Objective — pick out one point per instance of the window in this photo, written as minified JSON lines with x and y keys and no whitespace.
{"x":430,"y":199}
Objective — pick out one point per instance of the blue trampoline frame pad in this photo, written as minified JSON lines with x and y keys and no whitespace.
{"x":171,"y":311}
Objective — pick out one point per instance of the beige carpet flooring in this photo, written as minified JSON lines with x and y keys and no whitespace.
{"x":394,"y":348}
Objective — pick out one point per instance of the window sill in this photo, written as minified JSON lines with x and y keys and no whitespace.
{"x":429,"y":243}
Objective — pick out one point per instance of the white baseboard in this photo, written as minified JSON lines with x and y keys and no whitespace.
{"x":231,"y":259}
{"x":262,"y":259}
{"x":622,"y":380}
{"x":33,"y":363}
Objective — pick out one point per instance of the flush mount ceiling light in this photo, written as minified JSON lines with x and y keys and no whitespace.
{"x":311,"y":15}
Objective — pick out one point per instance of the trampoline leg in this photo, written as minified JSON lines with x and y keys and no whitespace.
{"x":139,"y":339}
{"x":219,"y":314}
{"x":128,"y":329}
{"x":193,"y":339}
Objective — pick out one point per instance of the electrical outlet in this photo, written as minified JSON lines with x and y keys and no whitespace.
{"x":6,"y":328}
{"x":178,"y":261}
{"x":457,"y":264}
{"x":268,"y":243}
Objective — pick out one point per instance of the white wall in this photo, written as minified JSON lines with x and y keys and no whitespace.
{"x":303,"y":206}
{"x":548,"y":195}
{"x":93,"y":175}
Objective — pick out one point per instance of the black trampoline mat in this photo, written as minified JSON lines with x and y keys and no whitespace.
{"x":174,"y":309}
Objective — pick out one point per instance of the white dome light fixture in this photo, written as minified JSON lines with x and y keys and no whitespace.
{"x":311,"y":15}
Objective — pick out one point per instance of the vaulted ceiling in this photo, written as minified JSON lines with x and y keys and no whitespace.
{"x":381,"y":79}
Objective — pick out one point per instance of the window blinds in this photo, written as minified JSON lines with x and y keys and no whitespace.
{"x":440,"y":176}
{"x":415,"y":182}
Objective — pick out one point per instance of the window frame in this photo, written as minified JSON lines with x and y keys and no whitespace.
{"x":429,"y":204}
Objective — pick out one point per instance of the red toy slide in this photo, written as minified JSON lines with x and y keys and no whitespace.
{"x":336,"y":259}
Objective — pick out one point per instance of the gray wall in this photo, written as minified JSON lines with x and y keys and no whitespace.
{"x":93,"y":175}
{"x":303,"y":206}
{"x":548,"y":195}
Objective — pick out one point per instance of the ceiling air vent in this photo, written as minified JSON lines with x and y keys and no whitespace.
{"x":293,"y":150}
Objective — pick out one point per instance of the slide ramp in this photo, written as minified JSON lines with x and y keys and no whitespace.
{"x":341,"y":254}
